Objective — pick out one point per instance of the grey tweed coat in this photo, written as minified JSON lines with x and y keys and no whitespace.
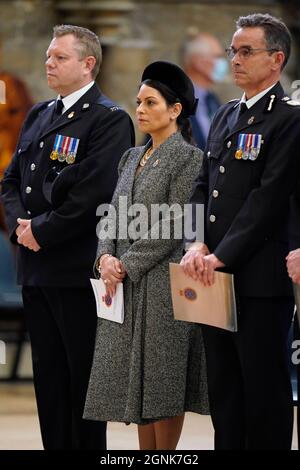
{"x":151,"y":367}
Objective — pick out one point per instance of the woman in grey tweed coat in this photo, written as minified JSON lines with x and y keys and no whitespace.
{"x":150,"y":369}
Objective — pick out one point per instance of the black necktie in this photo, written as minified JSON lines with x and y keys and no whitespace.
{"x":57,"y":109}
{"x":242,"y":109}
{"x":239,"y":110}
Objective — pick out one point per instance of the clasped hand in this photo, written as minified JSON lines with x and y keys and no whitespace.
{"x":112,"y":272}
{"x":293,"y":265}
{"x":25,"y":235}
{"x":200,"y":265}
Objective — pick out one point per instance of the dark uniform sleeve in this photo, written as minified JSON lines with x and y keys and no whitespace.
{"x":294,"y":225}
{"x":96,"y":180}
{"x":11,"y":184}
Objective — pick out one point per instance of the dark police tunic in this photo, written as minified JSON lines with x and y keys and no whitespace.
{"x":246,"y":227}
{"x":61,"y":198}
{"x":64,"y":227}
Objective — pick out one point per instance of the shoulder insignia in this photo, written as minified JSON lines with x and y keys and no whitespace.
{"x":285,"y":98}
{"x":271,"y":103}
{"x":86,"y":106}
{"x":293,"y":103}
{"x":114,"y":108}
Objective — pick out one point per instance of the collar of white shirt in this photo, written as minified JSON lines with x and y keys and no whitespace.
{"x":70,"y":100}
{"x":254,"y":99}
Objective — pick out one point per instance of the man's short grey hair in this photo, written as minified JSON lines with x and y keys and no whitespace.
{"x":88,"y":43}
{"x":277,"y":35}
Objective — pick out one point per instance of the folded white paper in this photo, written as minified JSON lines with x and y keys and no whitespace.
{"x":211,"y":305}
{"x":109,"y":308}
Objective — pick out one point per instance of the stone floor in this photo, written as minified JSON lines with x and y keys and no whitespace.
{"x":19,"y":428}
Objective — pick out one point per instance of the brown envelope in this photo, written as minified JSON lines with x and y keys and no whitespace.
{"x":211,"y":305}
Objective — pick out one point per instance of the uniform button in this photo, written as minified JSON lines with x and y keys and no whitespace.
{"x":212,"y":218}
{"x":222,"y":169}
{"x":229,"y":144}
{"x":215,"y":193}
{"x":28,"y":190}
{"x":19,"y":150}
{"x":41,"y":144}
{"x":32,"y":166}
{"x":28,"y":212}
{"x":208,"y":153}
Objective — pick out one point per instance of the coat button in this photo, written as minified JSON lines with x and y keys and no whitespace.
{"x":229,"y":144}
{"x":212,"y":218}
{"x":41,"y":144}
{"x":222,"y":169}
{"x":28,"y":212}
{"x":32,"y":166}
{"x":208,"y":153}
{"x":215,"y":193}
{"x":19,"y":150}
{"x":28,"y":190}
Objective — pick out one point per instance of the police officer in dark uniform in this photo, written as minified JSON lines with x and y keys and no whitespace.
{"x":293,"y":268}
{"x":64,"y":167}
{"x":250,"y":168}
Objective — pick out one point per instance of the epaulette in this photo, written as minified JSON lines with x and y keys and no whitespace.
{"x":235,"y":101}
{"x":290,"y":101}
{"x":115,"y":108}
{"x":107,"y":103}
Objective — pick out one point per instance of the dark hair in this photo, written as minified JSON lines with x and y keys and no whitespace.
{"x":183,"y":122}
{"x":277,"y":35}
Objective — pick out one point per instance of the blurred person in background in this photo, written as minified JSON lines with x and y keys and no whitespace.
{"x":205,"y":64}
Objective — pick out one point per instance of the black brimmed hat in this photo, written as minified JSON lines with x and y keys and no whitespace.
{"x":175,"y":78}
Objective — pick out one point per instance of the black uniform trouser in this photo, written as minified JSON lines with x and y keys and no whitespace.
{"x":248,"y":377}
{"x":62,"y":325}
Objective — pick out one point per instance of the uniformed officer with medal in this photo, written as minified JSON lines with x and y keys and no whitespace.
{"x":64,"y":167}
{"x":250,"y":169}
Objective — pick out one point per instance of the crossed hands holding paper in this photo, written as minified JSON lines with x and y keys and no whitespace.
{"x":199,"y":264}
{"x":112,"y":272}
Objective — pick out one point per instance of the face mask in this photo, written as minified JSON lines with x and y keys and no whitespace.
{"x":220,"y":69}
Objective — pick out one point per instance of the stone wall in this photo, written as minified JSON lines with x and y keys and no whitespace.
{"x":25,"y":29}
{"x":133,"y":33}
{"x":155,"y":31}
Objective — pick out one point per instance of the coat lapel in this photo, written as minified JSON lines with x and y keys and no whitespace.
{"x":257,"y":113}
{"x":159,"y":154}
{"x":72,"y":114}
{"x":46,"y":117}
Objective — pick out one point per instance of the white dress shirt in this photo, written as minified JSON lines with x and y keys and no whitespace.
{"x":70,"y":100}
